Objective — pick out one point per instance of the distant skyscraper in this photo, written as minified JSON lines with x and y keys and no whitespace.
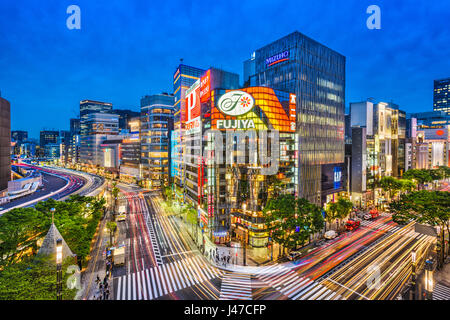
{"x":19,"y":136}
{"x":5,"y":144}
{"x":48,"y":136}
{"x":74,"y":126}
{"x":99,"y":127}
{"x":125,"y":117}
{"x":156,"y":125}
{"x":183,"y":78}
{"x":441,"y":95}
{"x":91,"y":106}
{"x":87,"y":107}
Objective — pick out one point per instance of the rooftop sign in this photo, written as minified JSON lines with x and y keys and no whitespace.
{"x":280,"y":57}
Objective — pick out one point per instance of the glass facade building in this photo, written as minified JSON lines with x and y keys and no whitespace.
{"x":316,"y":74}
{"x":183,"y":78}
{"x":441,"y":95}
{"x":48,"y":136}
{"x":5,"y":144}
{"x":156,"y":126}
{"x":98,"y":127}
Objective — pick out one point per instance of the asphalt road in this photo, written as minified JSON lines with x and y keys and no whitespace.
{"x":51,"y":184}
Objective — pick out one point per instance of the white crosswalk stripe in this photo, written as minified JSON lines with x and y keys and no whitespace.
{"x":236,"y":286}
{"x":155,"y":246}
{"x":441,"y":292}
{"x":290,"y":284}
{"x":159,"y":281}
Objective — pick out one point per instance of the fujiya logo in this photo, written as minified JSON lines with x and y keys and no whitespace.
{"x":235,"y":103}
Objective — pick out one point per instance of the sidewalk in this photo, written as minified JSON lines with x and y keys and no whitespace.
{"x":255,"y":257}
{"x":96,"y":265}
{"x":443,"y":276}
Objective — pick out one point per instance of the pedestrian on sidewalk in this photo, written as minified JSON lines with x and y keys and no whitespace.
{"x":98,"y":279}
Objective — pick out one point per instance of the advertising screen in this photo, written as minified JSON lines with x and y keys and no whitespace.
{"x":205,"y":86}
{"x":193,"y":109}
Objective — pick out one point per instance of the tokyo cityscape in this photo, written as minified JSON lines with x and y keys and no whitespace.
{"x":235,"y":150}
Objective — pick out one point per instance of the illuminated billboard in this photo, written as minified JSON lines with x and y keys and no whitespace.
{"x":280,"y":57}
{"x":193,"y":109}
{"x":205,"y":86}
{"x":258,"y":108}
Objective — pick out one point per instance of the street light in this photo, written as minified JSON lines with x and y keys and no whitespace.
{"x":52,"y":210}
{"x":59,"y":269}
{"x":429,"y":279}
{"x":413,"y":275}
{"x":244,"y":242}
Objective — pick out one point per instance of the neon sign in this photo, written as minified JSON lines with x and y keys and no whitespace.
{"x":337,"y":177}
{"x":235,"y":103}
{"x":280,"y":57}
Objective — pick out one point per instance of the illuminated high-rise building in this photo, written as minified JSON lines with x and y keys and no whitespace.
{"x":156,"y":126}
{"x":316,"y":74}
{"x":5,"y":145}
{"x":183,"y":78}
{"x":441,"y":95}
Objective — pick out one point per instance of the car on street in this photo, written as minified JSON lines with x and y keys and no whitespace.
{"x":121,"y":217}
{"x":331,"y":234}
{"x":294,"y":255}
{"x":352,"y":224}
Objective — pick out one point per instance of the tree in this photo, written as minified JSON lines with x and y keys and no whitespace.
{"x":407,"y":185}
{"x":390,"y":185}
{"x":33,"y":278}
{"x":191,"y":217}
{"x":112,"y":227}
{"x":429,"y":207}
{"x":22,"y":228}
{"x":115,"y":193}
{"x":291,"y":221}
{"x":421,"y":176}
{"x":338,"y":210}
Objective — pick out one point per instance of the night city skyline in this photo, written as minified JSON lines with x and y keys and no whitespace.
{"x":236,"y":152}
{"x":117,"y":55}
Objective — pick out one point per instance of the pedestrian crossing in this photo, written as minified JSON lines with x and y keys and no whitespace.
{"x":155,"y":282}
{"x":236,"y":286}
{"x":295,"y":287}
{"x":380,"y":227}
{"x":441,"y":292}
{"x":136,"y":195}
{"x":155,"y":245}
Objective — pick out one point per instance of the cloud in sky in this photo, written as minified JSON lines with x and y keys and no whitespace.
{"x":126,"y":49}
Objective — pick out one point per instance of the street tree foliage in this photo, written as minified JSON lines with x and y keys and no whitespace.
{"x":422,"y":176}
{"x":338,"y":210}
{"x":34,"y":278}
{"x":390,"y":185}
{"x":23,"y":274}
{"x":429,"y":207}
{"x":168,"y":194}
{"x":291,"y":221}
{"x":22,"y":228}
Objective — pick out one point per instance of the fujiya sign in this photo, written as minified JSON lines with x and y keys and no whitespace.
{"x":235,"y":103}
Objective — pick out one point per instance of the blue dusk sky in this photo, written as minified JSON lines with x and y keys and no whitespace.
{"x":127,"y":49}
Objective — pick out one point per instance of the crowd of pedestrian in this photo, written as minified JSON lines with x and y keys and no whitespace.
{"x":221,"y":258}
{"x":103,"y":288}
